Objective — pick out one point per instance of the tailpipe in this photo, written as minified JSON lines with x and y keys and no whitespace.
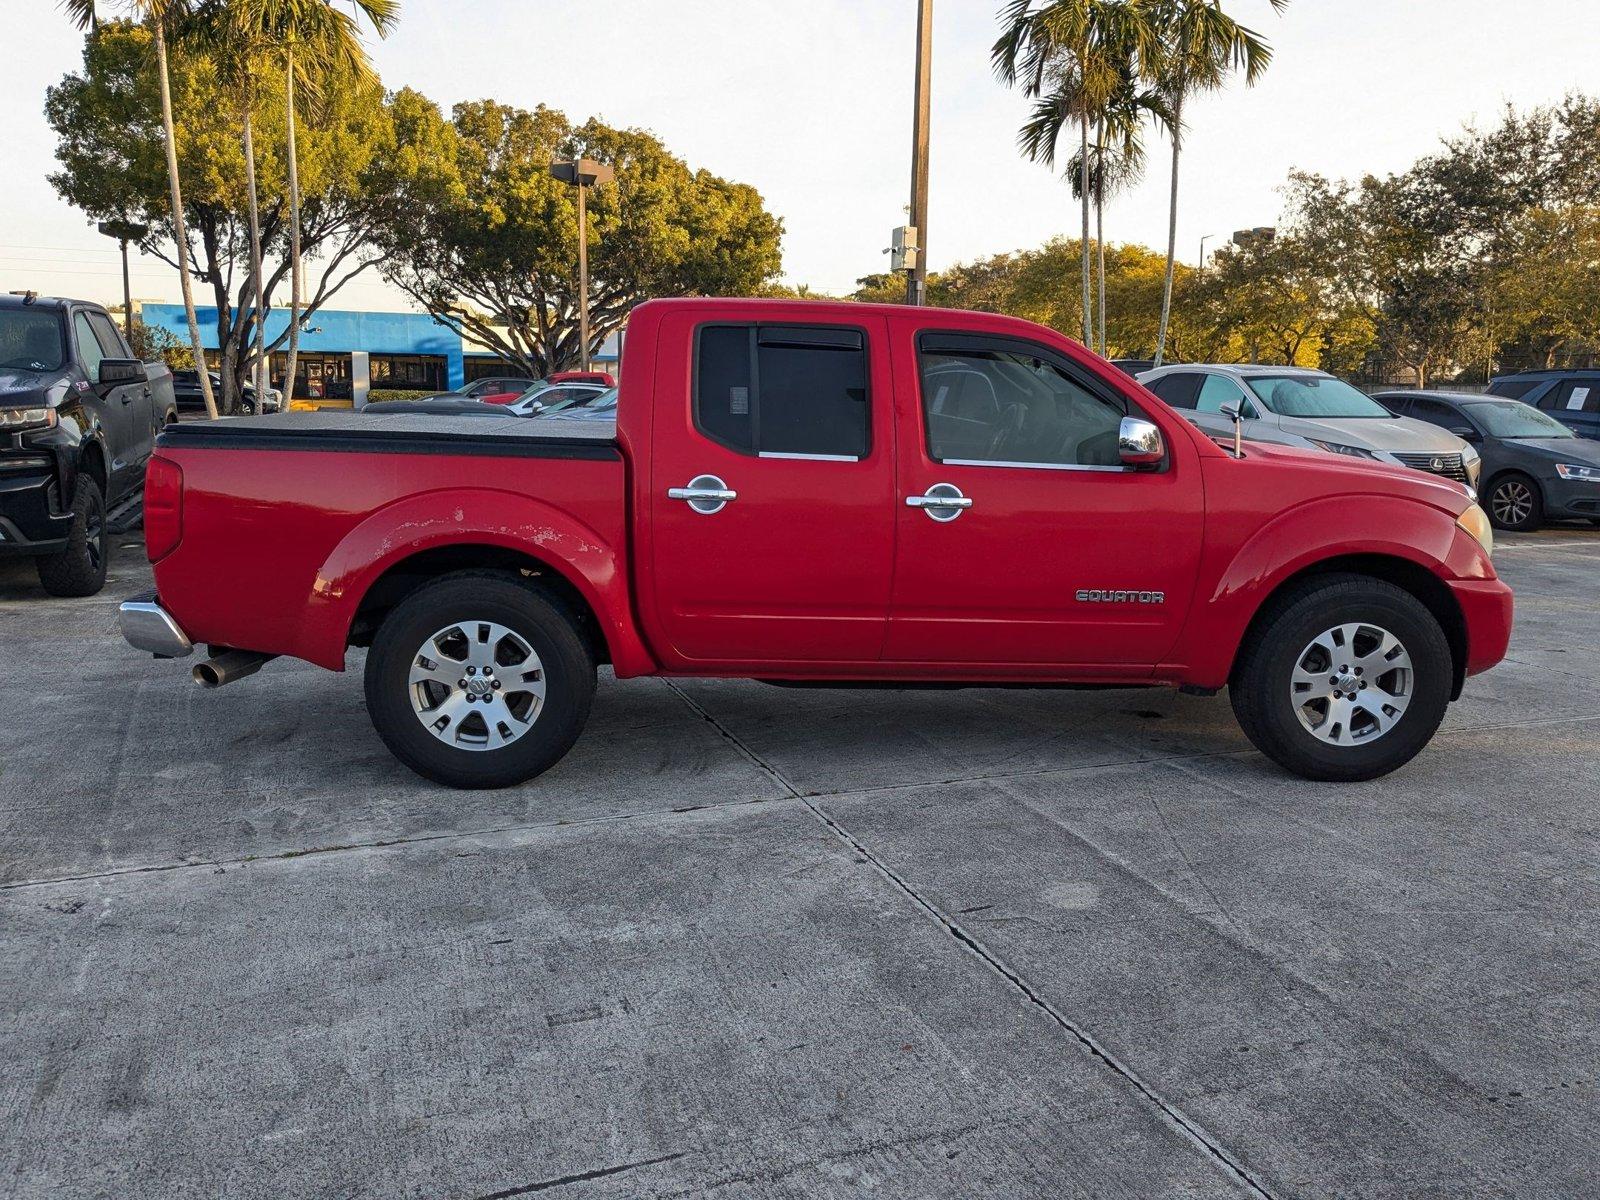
{"x":230,"y":666}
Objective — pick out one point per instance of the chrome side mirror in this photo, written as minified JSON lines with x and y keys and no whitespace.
{"x":1139,"y":443}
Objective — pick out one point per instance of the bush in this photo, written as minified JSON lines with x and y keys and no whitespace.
{"x":377,"y":394}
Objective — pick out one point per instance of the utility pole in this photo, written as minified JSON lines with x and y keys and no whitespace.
{"x":583,"y":174}
{"x":125,"y":232}
{"x":917,"y":276}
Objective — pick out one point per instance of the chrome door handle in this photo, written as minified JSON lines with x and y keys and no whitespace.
{"x":943,"y":502}
{"x":706,"y":494}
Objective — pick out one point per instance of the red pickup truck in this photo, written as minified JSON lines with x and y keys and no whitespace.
{"x":821,"y":493}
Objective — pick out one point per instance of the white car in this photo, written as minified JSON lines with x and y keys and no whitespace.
{"x":1295,"y":406}
{"x":555,"y":397}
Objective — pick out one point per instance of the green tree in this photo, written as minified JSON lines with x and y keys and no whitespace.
{"x":110,"y":148}
{"x":159,"y":16}
{"x":486,"y":240}
{"x":1199,"y":45}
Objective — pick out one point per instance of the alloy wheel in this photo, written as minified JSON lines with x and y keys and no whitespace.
{"x":1352,"y":684}
{"x":1512,"y":502}
{"x":477,"y":685}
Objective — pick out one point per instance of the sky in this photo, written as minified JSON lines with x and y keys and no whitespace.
{"x":811,"y":103}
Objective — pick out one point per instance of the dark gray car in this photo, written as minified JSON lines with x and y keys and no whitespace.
{"x":1534,"y":467}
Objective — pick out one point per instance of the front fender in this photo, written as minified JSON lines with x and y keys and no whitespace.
{"x":1239,"y":576}
{"x":463,"y":517}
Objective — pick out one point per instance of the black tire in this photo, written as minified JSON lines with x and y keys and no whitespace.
{"x":478,"y":598}
{"x":79,"y":569}
{"x":1515,"y":503}
{"x":1262,"y":677}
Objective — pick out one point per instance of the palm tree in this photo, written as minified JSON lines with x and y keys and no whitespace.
{"x":1117,"y":162}
{"x":317,"y":38}
{"x":159,"y":14}
{"x":1071,"y":57}
{"x":1199,"y":45}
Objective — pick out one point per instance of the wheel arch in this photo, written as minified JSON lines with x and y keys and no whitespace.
{"x":1404,"y":573}
{"x":422,"y":536}
{"x":406,"y":576}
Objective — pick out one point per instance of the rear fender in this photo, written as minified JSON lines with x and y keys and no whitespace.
{"x":1295,"y":541}
{"x":477,"y":516}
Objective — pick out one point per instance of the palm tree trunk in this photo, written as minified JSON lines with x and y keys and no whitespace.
{"x":1100,"y":254}
{"x":179,"y":233}
{"x":1083,"y":245}
{"x":1172,"y":228}
{"x":259,"y":332}
{"x":294,"y":241}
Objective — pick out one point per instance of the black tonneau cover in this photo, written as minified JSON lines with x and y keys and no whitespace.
{"x":343,"y":431}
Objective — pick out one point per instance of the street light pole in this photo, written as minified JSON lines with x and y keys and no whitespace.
{"x":917,"y":277}
{"x":583,"y":174}
{"x":124,"y":232}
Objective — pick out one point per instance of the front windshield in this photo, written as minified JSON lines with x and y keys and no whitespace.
{"x":30,"y":340}
{"x":1514,"y":419}
{"x":1314,"y":396}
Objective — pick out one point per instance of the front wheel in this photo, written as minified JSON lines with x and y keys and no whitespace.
{"x":79,"y":568}
{"x":1515,"y":504}
{"x":478,"y":681}
{"x":1345,"y":678}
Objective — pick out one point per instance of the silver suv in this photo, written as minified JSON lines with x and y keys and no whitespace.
{"x":1294,"y":406}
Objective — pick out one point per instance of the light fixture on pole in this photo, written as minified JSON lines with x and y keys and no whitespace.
{"x":125,"y":232}
{"x":917,"y":269}
{"x":583,"y":173}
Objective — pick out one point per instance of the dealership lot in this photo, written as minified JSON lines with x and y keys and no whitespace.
{"x":747,"y":941}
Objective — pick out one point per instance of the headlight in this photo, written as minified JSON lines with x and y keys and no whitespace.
{"x":1578,"y":471}
{"x":1476,"y":522}
{"x":1339,"y":448}
{"x":27,"y":418}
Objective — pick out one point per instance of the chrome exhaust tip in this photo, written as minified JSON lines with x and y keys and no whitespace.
{"x":230,"y":666}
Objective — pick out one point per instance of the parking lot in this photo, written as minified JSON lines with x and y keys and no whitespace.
{"x":757,"y":942}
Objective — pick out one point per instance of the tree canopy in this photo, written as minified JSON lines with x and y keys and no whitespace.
{"x":486,"y":240}
{"x":109,"y":143}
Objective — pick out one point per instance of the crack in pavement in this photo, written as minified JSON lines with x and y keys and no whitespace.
{"x":1186,"y":1127}
{"x":545,"y":1185}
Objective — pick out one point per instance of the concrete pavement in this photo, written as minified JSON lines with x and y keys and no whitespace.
{"x":758,"y":942}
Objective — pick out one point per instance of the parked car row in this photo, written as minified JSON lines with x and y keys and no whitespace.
{"x":1529,"y":463}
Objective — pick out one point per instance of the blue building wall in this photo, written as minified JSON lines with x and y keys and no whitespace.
{"x":336,"y":332}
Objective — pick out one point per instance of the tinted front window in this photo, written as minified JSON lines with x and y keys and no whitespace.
{"x":1217,"y":391}
{"x":30,"y":340}
{"x":1007,"y":405}
{"x":1179,"y":390}
{"x":783,"y":389}
{"x":110,"y":339}
{"x":1315,"y":396}
{"x":1576,"y":395}
{"x":1513,"y":419}
{"x":89,"y":351}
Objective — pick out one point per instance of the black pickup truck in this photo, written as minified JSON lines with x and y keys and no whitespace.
{"x":79,"y":415}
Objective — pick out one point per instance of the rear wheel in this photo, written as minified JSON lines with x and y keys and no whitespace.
{"x":1515,"y":503}
{"x":478,"y":681}
{"x":80,"y":568}
{"x":1346,"y":678}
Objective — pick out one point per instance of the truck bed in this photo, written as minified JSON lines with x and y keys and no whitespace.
{"x":288,"y":520}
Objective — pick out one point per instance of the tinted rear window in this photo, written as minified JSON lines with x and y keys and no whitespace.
{"x":783,"y":389}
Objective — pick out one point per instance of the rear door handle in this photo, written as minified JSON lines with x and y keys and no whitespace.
{"x":706,"y":494}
